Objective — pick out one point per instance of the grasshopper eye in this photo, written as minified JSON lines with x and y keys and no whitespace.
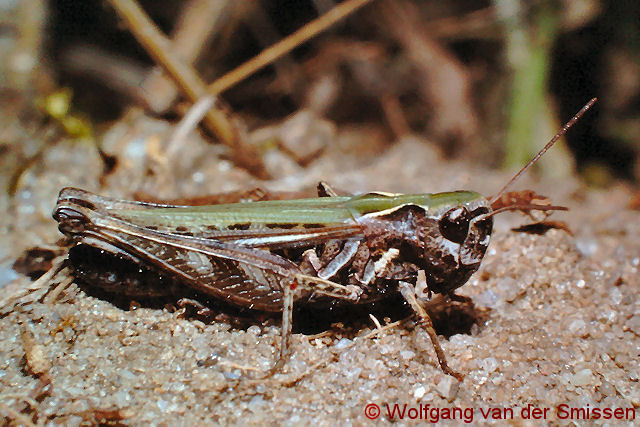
{"x":454,"y":225}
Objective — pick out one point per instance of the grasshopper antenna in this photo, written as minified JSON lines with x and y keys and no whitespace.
{"x":553,"y":140}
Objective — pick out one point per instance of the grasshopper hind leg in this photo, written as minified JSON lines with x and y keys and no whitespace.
{"x":287,"y":323}
{"x":409,"y":294}
{"x":315,"y":285}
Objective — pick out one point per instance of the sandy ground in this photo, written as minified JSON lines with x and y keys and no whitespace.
{"x":557,"y":316}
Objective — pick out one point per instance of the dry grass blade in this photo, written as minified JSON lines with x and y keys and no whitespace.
{"x":188,"y":123}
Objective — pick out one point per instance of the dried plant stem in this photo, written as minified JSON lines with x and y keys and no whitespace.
{"x":285,"y":45}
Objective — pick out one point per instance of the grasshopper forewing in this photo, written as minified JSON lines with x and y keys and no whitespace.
{"x":267,"y":255}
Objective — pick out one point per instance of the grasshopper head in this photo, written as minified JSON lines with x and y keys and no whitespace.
{"x":451,"y":238}
{"x":70,"y":222}
{"x":454,"y":243}
{"x":69,"y":212}
{"x":453,"y":252}
{"x":445,"y":234}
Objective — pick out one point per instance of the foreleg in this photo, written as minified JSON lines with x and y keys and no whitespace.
{"x":408,"y":291}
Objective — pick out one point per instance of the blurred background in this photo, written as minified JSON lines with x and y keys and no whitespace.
{"x":483,"y":81}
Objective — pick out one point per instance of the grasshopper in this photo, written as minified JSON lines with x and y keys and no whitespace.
{"x":268,"y":255}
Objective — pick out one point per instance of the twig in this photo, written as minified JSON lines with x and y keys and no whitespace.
{"x":378,"y":331}
{"x":188,"y":123}
{"x":375,"y":321}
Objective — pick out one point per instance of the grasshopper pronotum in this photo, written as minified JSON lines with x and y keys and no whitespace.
{"x":268,"y":255}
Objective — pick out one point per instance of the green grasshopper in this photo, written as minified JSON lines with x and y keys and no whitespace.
{"x":268,"y":255}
